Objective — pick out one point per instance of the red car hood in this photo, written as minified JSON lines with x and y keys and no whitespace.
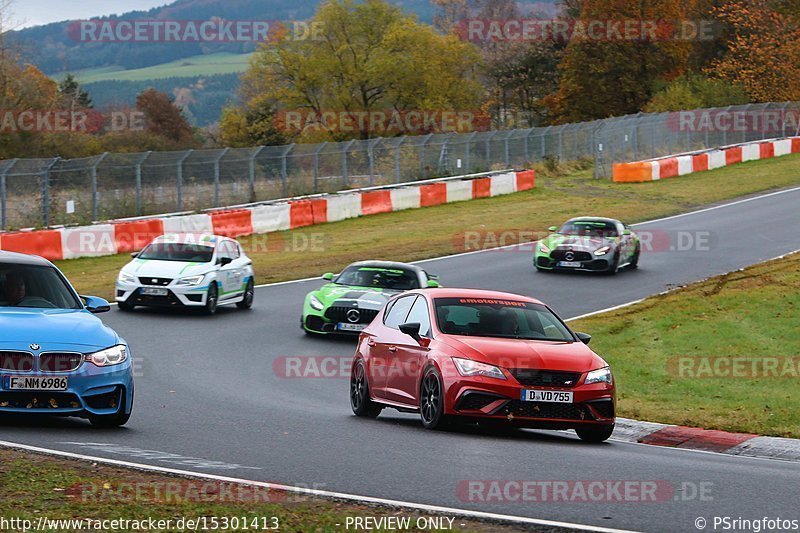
{"x":518,"y":353}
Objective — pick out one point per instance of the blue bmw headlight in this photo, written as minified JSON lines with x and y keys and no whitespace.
{"x":116,"y":355}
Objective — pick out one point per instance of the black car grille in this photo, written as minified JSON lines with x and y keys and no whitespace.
{"x":16,"y":361}
{"x":545,"y":378}
{"x":339,"y":314}
{"x":60,"y":362}
{"x":567,"y":411}
{"x":475,"y":401}
{"x":109,"y":400}
{"x":560,"y":255}
{"x":158,"y":282}
{"x":38,"y":400}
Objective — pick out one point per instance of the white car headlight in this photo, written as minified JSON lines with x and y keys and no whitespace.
{"x":125,"y":278}
{"x":190,"y":281}
{"x":602,"y":375}
{"x":543,"y":248}
{"x":470,"y":368}
{"x":602,"y":251}
{"x":109,"y":357}
{"x":315,"y":304}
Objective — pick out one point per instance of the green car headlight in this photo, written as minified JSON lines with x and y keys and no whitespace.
{"x":543,"y":248}
{"x":315,"y":304}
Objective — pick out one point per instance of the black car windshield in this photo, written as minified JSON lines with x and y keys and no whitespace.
{"x":34,"y":286}
{"x":178,"y":251}
{"x":589,"y":228}
{"x":488,"y":317}
{"x":382,"y":278}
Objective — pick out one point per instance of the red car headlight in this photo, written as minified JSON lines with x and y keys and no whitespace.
{"x":602,"y":375}
{"x":470,"y":368}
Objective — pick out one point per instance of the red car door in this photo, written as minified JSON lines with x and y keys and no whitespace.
{"x":382,"y":347}
{"x":407,"y":357}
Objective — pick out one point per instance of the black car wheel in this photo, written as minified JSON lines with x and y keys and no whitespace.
{"x":614,"y":266}
{"x":125,"y":306}
{"x":212,"y":299}
{"x":635,"y":259}
{"x":118,"y":419}
{"x":360,"y":401}
{"x":431,"y":401}
{"x":595,"y":435}
{"x":249,"y":296}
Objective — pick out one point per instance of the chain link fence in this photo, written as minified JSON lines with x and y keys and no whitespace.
{"x":45,"y":192}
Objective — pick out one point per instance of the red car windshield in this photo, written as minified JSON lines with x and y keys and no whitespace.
{"x":489,"y":317}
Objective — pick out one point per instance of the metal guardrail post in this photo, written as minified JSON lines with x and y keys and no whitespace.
{"x":46,"y":192}
{"x":284,"y":169}
{"x":316,"y":166}
{"x":179,"y":179}
{"x":397,"y":159}
{"x":489,"y":148}
{"x":3,"y":216}
{"x":139,"y":182}
{"x":422,"y":154}
{"x":468,"y":151}
{"x":345,"y":172}
{"x":216,"y":176}
{"x":251,"y":173}
{"x":95,"y":202}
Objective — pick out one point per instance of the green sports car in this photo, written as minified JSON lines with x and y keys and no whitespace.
{"x":350,"y":300}
{"x":589,"y":244}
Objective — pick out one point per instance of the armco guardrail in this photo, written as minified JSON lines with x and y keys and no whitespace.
{"x":44,"y":192}
{"x":683,"y":164}
{"x":122,"y":236}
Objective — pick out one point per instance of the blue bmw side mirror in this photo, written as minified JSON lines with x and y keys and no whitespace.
{"x":96,"y":305}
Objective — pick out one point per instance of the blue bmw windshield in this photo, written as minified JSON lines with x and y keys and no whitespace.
{"x":36,"y":287}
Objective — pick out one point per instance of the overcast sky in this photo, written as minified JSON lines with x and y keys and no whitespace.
{"x":34,"y":12}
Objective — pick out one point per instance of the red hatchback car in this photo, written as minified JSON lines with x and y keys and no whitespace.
{"x":481,"y":356}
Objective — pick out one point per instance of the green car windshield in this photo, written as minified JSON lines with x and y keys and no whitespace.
{"x":379,"y":278}
{"x":488,"y":317}
{"x":587,"y":228}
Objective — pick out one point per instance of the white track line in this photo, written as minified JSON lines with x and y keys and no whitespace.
{"x":319,"y":493}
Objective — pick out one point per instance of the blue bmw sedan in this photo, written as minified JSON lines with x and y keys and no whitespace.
{"x":56,"y":357}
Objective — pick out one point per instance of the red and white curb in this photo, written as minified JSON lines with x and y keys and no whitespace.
{"x":707,"y":440}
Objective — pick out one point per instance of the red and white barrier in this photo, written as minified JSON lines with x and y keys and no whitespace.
{"x":132,"y":235}
{"x":682,"y":165}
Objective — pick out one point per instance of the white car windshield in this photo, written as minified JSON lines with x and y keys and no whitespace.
{"x":177,"y":251}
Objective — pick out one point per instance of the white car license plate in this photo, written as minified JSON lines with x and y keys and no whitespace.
{"x":343,"y":326}
{"x":547,"y":396}
{"x":35,"y":383}
{"x":152,"y":291}
{"x":570,"y":264}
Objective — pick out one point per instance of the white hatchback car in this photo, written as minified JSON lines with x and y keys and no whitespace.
{"x":187,"y":270}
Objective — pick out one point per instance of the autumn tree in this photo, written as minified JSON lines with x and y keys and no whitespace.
{"x":163,"y":117}
{"x":603,"y":78}
{"x":72,"y":95}
{"x":367,"y":56}
{"x":763,"y":48}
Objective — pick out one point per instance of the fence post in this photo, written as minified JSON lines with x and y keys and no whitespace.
{"x":284,"y":171}
{"x":216,"y":176}
{"x":561,"y":143}
{"x":527,"y":145}
{"x":179,"y":181}
{"x":422,"y":155}
{"x":489,"y":148}
{"x":316,"y":166}
{"x":3,"y":217}
{"x":251,"y":173}
{"x":397,"y":159}
{"x":468,"y":152}
{"x":95,"y":203}
{"x":371,"y":153}
{"x":139,"y":182}
{"x":545,"y":133}
{"x":46,"y":192}
{"x":507,"y":156}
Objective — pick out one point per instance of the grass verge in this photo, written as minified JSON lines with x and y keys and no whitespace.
{"x":719,"y":354}
{"x":436,"y":231}
{"x":37,"y":486}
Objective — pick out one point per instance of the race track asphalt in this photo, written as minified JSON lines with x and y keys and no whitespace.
{"x":209,"y":400}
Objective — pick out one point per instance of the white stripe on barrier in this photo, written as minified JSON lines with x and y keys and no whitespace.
{"x":504,"y":184}
{"x":655,"y":170}
{"x":405,"y":198}
{"x":685,"y":165}
{"x":751,"y":152}
{"x":716,"y":159}
{"x":343,"y":206}
{"x":269,"y":218}
{"x":783,"y":147}
{"x":88,"y":241}
{"x":189,"y":224}
{"x":459,"y":191}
